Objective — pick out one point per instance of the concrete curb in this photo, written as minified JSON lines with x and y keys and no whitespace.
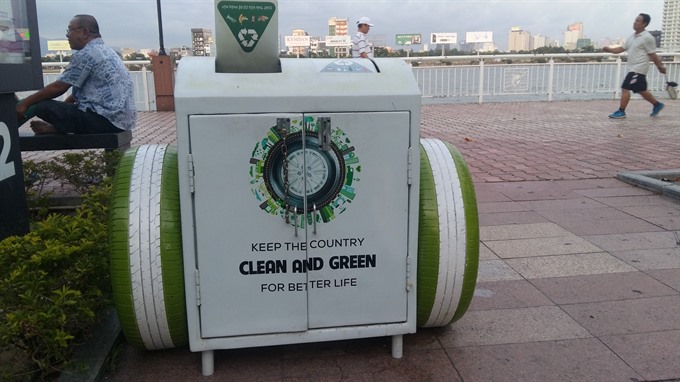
{"x":90,"y":357}
{"x":650,"y":180}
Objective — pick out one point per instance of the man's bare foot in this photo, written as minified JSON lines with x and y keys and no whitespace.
{"x":42,"y":127}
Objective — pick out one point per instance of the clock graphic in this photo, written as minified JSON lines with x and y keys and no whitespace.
{"x":287,"y":169}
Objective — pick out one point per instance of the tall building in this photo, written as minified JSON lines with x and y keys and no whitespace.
{"x":338,"y":27}
{"x":201,"y":40}
{"x":573,"y":33}
{"x":670,"y":29}
{"x":538,"y":41}
{"x":519,"y":40}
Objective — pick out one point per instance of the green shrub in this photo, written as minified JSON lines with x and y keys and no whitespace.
{"x":53,"y":281}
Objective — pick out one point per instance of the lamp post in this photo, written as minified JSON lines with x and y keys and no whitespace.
{"x":161,"y":51}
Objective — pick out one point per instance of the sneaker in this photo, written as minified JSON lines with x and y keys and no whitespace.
{"x":618,"y":114}
{"x":657,"y":109}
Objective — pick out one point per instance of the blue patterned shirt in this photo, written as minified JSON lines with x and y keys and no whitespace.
{"x":102,"y":84}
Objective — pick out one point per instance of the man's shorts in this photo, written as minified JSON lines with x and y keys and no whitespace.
{"x":635,"y":82}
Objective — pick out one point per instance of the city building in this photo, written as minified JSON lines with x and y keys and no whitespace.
{"x":201,"y":41}
{"x":573,"y":33}
{"x":670,"y":29}
{"x":657,"y":37}
{"x":538,"y":41}
{"x":583,"y":43}
{"x":338,"y":27}
{"x":178,"y":53}
{"x":299,"y":50}
{"x":519,"y":40}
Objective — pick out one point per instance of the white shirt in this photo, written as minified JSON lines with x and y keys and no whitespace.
{"x":361,"y":45}
{"x":639,"y":47}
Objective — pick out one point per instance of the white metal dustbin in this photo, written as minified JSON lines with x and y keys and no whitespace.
{"x":298,"y":185}
{"x":310,"y":210}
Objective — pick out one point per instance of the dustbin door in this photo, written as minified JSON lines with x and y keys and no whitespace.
{"x":245,"y":250}
{"x":361,"y":231}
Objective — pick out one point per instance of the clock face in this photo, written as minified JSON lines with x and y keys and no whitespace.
{"x":311,"y":172}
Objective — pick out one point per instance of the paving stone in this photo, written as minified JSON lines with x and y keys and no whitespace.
{"x":627,"y":316}
{"x":609,"y":226}
{"x":569,"y":360}
{"x":628,"y":201}
{"x":568,"y":265}
{"x":670,"y":223}
{"x":630,"y":241}
{"x":601,"y":287}
{"x":648,"y":259}
{"x":505,"y":326}
{"x":507,"y":294}
{"x":564,"y":204}
{"x":580,"y":214}
{"x":652,"y":211}
{"x":486,"y":254}
{"x":670,"y":277}
{"x":655,"y":356}
{"x":496,"y":270}
{"x":489,"y":219}
{"x":541,"y":246}
{"x":494,"y":207}
{"x":521,"y":231}
{"x":614,"y":191}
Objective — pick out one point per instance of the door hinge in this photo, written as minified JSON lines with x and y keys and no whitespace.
{"x":190,"y":163}
{"x":197,"y":278}
{"x":409,"y":168}
{"x":409,"y":280}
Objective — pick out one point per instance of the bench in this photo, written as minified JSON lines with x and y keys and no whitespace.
{"x":51,"y":142}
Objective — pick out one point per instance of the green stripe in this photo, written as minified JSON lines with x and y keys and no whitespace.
{"x":428,"y":242}
{"x":171,"y":250}
{"x":119,"y":219}
{"x":472,"y":232}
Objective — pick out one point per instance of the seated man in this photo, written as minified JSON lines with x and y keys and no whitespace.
{"x":101,"y":101}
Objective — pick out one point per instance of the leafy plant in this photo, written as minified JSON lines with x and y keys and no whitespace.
{"x":56,"y":278}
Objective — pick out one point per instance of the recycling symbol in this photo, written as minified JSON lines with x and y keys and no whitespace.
{"x":247,"y":20}
{"x":249,"y":41}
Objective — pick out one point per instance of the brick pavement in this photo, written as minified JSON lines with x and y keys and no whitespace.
{"x":558,"y":140}
{"x":579,"y":274}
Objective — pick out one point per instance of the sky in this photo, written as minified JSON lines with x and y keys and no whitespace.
{"x":134,"y":23}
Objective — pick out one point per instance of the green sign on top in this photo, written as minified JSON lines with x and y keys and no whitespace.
{"x":247,"y":20}
{"x":409,"y":39}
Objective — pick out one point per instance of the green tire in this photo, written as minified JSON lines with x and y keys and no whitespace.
{"x":448,"y":235}
{"x":147,"y":270}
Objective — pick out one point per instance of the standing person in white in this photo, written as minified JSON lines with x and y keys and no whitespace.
{"x":641,"y":48}
{"x":360,"y":46}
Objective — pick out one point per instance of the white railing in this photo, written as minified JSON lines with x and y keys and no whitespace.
{"x":145,"y":93}
{"x":469,"y":79}
{"x":556,"y":77}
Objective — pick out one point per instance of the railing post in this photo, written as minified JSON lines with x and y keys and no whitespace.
{"x":551,"y":76}
{"x":145,"y":81}
{"x":617,"y":91}
{"x":481,"y":81}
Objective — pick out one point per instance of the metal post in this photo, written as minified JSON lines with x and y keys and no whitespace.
{"x":161,"y":51}
{"x":481,"y":81}
{"x":617,"y":92}
{"x":551,"y":74}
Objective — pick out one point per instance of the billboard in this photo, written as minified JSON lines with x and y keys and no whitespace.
{"x":443,"y":38}
{"x":472,"y":37}
{"x":297,"y":41}
{"x":409,"y":39}
{"x":338,"y":41}
{"x":58,"y":45}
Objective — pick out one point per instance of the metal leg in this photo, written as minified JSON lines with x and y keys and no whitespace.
{"x":208,"y":362}
{"x":397,"y":346}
